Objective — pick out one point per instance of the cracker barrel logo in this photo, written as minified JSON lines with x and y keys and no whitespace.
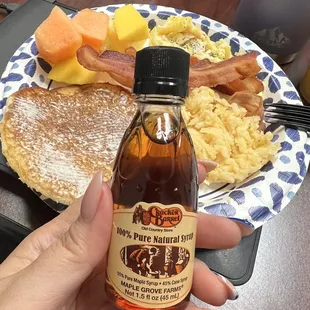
{"x":166,"y":217}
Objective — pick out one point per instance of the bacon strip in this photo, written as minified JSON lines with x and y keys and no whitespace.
{"x":201,"y":64}
{"x":224,"y":72}
{"x":119,"y":66}
{"x":202,"y":73}
{"x":193,"y":60}
{"x":251,"y":102}
{"x":131,"y":51}
{"x":251,"y":84}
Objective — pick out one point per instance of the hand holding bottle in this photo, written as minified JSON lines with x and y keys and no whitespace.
{"x":62,"y":264}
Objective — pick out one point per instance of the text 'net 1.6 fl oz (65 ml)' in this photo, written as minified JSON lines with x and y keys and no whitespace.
{"x":155,"y":190}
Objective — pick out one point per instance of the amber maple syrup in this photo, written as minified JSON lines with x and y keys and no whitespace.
{"x":154,"y":191}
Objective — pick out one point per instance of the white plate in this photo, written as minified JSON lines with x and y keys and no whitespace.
{"x":252,"y":202}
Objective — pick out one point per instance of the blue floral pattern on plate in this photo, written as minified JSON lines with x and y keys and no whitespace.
{"x":252,"y":202}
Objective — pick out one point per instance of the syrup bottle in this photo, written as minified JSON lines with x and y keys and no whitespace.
{"x":155,"y":190}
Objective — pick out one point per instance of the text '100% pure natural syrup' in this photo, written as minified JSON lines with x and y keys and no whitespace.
{"x":155,"y":188}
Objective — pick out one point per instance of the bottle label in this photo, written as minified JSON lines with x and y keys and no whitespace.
{"x":152,"y":253}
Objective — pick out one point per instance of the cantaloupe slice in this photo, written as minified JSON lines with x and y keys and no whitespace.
{"x":56,"y":38}
{"x":71,"y":72}
{"x":93,"y":26}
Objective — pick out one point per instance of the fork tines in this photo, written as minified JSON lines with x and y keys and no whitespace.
{"x":289,"y":115}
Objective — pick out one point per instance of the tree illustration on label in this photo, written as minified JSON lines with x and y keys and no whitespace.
{"x":168,"y":217}
{"x":157,"y":262}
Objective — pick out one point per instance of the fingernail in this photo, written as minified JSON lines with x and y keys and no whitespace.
{"x":233,"y":293}
{"x":208,"y":164}
{"x":91,"y":198}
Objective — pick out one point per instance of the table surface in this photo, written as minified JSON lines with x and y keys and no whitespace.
{"x":281,"y":277}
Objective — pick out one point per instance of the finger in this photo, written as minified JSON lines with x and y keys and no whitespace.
{"x":72,"y":258}
{"x":210,"y":288}
{"x":109,"y":182}
{"x":204,"y":167}
{"x":216,"y":232}
{"x":245,"y":230}
{"x":51,"y":231}
{"x":42,"y":238}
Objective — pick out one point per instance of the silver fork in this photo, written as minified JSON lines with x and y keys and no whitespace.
{"x":289,"y":115}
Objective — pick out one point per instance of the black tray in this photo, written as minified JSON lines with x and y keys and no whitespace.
{"x":235,"y":264}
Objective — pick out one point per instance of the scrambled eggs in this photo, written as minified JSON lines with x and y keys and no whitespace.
{"x":180,"y":32}
{"x":221,"y":132}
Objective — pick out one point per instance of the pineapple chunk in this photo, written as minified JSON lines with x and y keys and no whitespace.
{"x":71,"y":72}
{"x":130,"y":25}
{"x":113,"y":43}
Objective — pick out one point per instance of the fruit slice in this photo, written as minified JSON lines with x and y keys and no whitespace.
{"x":56,"y":38}
{"x":93,"y":26}
{"x":138,"y":45}
{"x":113,"y":43}
{"x":71,"y":72}
{"x":130,"y":25}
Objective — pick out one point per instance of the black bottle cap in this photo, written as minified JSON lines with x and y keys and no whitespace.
{"x":162,"y":70}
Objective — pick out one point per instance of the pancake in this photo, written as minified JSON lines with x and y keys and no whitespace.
{"x":57,"y":140}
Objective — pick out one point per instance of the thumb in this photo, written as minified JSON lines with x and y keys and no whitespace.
{"x":205,"y":166}
{"x":59,"y":271}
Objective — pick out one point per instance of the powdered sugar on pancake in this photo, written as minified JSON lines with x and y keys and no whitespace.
{"x":57,"y":140}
